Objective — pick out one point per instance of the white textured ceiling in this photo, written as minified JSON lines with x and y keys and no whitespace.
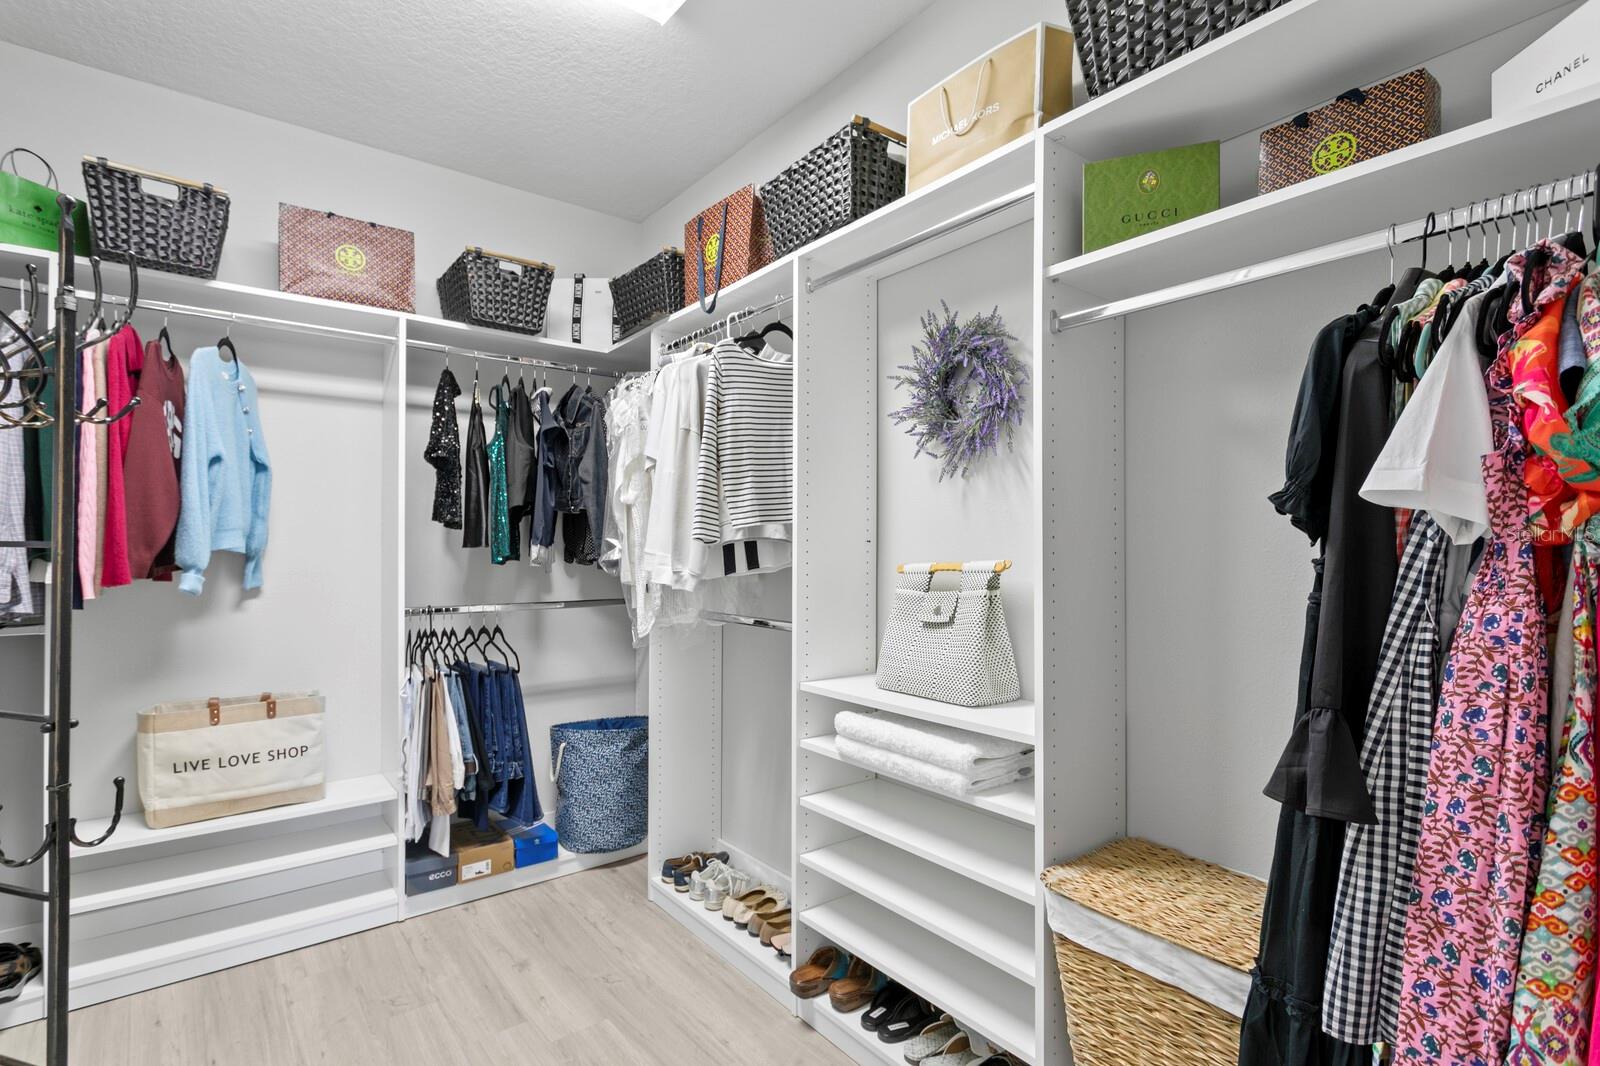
{"x":580,"y":100}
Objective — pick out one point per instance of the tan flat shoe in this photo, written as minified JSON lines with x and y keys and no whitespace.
{"x":761,"y":910}
{"x":777,"y":922}
{"x":782,"y":943}
{"x":732,"y":904}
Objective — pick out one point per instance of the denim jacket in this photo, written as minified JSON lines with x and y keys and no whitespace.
{"x":572,"y":473}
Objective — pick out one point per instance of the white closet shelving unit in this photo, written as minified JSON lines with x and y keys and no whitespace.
{"x":153,"y":906}
{"x":943,"y":895}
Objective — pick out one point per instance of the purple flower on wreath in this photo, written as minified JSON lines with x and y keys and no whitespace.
{"x":965,"y":389}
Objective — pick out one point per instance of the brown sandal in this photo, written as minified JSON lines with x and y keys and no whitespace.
{"x":826,"y":965}
{"x":856,"y":988}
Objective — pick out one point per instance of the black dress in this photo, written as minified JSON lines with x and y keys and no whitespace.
{"x":475,"y":481}
{"x":1334,"y":442}
{"x":443,"y":453}
{"x":521,"y":461}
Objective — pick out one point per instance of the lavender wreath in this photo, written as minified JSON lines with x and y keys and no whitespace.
{"x":966,"y":390}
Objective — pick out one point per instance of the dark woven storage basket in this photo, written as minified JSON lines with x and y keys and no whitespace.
{"x":479,"y":290}
{"x":849,"y":175}
{"x":181,"y":235}
{"x":651,"y":290}
{"x":1118,"y":40}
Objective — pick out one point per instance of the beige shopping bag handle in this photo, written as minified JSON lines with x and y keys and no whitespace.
{"x":950,"y":568}
{"x":977,"y":104}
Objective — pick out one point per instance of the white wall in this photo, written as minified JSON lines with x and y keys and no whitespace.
{"x":938,"y":42}
{"x":261,"y":161}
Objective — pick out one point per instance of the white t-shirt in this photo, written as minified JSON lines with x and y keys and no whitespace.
{"x":1433,"y":460}
{"x":672,"y":557}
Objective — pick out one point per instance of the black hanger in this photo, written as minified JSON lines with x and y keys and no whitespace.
{"x":165,"y":338}
{"x":227,"y":342}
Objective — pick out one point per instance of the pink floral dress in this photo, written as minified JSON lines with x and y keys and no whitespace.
{"x":1483,"y":817}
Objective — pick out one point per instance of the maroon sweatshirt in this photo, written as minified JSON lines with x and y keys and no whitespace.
{"x":150,"y":469}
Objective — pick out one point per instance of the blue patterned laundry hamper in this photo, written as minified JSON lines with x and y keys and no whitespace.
{"x":601,"y":768}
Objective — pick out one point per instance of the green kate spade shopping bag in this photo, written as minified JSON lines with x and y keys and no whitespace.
{"x":29,"y":214}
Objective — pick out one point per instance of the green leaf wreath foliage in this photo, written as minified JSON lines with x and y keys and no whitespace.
{"x":965,"y":388}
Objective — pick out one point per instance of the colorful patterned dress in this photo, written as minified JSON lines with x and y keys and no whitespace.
{"x":1550,"y":1015}
{"x":1483,"y":818}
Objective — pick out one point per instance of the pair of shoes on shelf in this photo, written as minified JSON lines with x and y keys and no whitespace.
{"x":676,"y":872}
{"x":817,"y":975}
{"x":761,"y":902}
{"x":713,"y":884}
{"x":897,"y":1014}
{"x":945,"y":1043}
{"x":766,"y":926}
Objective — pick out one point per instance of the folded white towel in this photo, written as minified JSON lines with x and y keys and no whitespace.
{"x":941,"y":745}
{"x":931,"y":777}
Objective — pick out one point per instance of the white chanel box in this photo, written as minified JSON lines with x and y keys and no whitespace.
{"x":1564,"y":59}
{"x":596,"y":321}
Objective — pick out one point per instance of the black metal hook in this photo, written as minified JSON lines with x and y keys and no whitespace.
{"x":17,"y":864}
{"x":133,"y":297}
{"x":116,"y":819}
{"x":33,"y":293}
{"x":1430,"y":228}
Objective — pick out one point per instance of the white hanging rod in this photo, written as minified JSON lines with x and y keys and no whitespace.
{"x":86,"y":299}
{"x":1579,"y":187}
{"x":949,"y":225}
{"x":517,"y":360}
{"x":500,"y":608}
{"x":748,"y":620}
{"x":725,"y":322}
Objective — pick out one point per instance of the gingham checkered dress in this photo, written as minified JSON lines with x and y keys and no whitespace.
{"x":1362,"y":991}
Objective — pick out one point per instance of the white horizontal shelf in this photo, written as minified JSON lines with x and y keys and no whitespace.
{"x":22,"y":631}
{"x":1008,"y":721}
{"x":998,"y":1006}
{"x":1013,"y":801}
{"x":735,"y":946}
{"x":1297,"y":57}
{"x":996,"y":930}
{"x":140,"y":952}
{"x":1460,"y":167}
{"x":135,"y":833}
{"x":124,"y":883}
{"x":630,"y":353}
{"x":994,"y":853}
{"x":566,"y":862}
{"x":844,"y":1029}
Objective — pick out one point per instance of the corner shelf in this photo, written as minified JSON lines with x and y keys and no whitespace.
{"x":738,"y":948}
{"x":1013,"y":801}
{"x":135,"y":833}
{"x":125,"y":883}
{"x":1007,"y":721}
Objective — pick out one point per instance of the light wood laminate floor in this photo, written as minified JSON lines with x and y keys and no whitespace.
{"x":583,"y":969}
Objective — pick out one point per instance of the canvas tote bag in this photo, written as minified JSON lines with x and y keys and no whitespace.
{"x":725,"y":242}
{"x":338,"y":258}
{"x":1004,"y":94}
{"x":202,"y":759}
{"x":950,"y":645}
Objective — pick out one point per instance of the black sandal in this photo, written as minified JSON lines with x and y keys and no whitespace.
{"x":912,"y":1015}
{"x":19,"y":964}
{"x":882,"y":1005}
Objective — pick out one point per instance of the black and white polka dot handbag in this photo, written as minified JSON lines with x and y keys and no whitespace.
{"x":950,"y":645}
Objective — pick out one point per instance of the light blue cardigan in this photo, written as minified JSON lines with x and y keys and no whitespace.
{"x":226,"y":479}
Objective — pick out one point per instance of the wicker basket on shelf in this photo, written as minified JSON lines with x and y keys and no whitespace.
{"x":180,"y":234}
{"x":651,"y":290}
{"x":847,"y":176}
{"x":1134,"y":892}
{"x":1118,"y":40}
{"x":500,"y":291}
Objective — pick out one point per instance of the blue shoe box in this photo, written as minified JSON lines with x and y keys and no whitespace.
{"x":534,"y":843}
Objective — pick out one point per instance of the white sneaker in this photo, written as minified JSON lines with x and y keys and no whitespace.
{"x":700,"y":881}
{"x":728,"y":882}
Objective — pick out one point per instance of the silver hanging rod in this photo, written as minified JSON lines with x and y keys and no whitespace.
{"x":748,"y":620}
{"x":86,"y":297}
{"x":516,"y":360}
{"x":949,"y":225}
{"x":499,"y":608}
{"x":1578,"y":187}
{"x":726,"y":321}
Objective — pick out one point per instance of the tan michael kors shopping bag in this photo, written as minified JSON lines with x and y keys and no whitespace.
{"x":990,"y":102}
